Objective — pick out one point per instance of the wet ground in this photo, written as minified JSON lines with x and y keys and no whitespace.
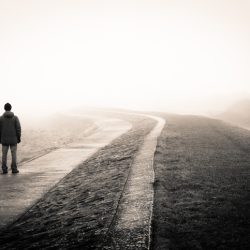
{"x":19,"y":192}
{"x":80,"y":211}
{"x":200,"y":199}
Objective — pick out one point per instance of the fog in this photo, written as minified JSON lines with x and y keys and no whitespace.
{"x":174,"y":56}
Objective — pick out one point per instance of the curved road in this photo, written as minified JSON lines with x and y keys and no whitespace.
{"x":19,"y":192}
{"x":131,"y":226}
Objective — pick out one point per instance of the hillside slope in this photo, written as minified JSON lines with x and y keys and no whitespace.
{"x":239,"y":114}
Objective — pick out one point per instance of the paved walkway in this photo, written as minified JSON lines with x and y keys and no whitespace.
{"x":19,"y":192}
{"x":132,"y":225}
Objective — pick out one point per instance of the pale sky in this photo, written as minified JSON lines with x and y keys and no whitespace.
{"x":180,"y":56}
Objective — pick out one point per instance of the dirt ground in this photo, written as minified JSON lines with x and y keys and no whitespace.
{"x":202,"y":185}
{"x":78,"y":211}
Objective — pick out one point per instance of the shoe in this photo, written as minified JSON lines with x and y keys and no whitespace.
{"x":5,"y":172}
{"x":15,"y":171}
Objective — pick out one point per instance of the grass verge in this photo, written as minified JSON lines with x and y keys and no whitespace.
{"x":202,"y":185}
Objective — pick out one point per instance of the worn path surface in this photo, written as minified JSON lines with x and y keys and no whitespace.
{"x":19,"y":192}
{"x":78,"y":212}
{"x":131,"y":226}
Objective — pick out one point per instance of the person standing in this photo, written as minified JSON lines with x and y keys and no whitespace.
{"x":10,"y":135}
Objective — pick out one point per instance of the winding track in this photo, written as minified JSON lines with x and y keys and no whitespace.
{"x":19,"y":192}
{"x":131,"y":226}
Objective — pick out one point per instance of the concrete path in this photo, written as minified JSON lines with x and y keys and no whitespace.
{"x":132,"y":225}
{"x":36,"y":177}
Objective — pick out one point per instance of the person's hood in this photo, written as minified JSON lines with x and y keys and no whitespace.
{"x":8,"y":114}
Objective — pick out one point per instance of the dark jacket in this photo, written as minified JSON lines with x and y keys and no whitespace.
{"x":10,"y":129}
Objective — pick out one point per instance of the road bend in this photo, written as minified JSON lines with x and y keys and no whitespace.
{"x":19,"y":192}
{"x":131,"y":226}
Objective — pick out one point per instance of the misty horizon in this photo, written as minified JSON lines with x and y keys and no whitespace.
{"x":129,"y":124}
{"x":139,"y":55}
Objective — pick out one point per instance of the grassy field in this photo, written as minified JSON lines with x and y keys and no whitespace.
{"x":202,"y":185}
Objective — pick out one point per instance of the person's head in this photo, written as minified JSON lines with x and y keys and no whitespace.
{"x":7,"y":107}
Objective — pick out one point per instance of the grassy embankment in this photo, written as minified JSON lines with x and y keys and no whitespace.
{"x":202,"y":185}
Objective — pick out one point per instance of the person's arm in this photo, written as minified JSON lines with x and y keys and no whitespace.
{"x":18,"y":129}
